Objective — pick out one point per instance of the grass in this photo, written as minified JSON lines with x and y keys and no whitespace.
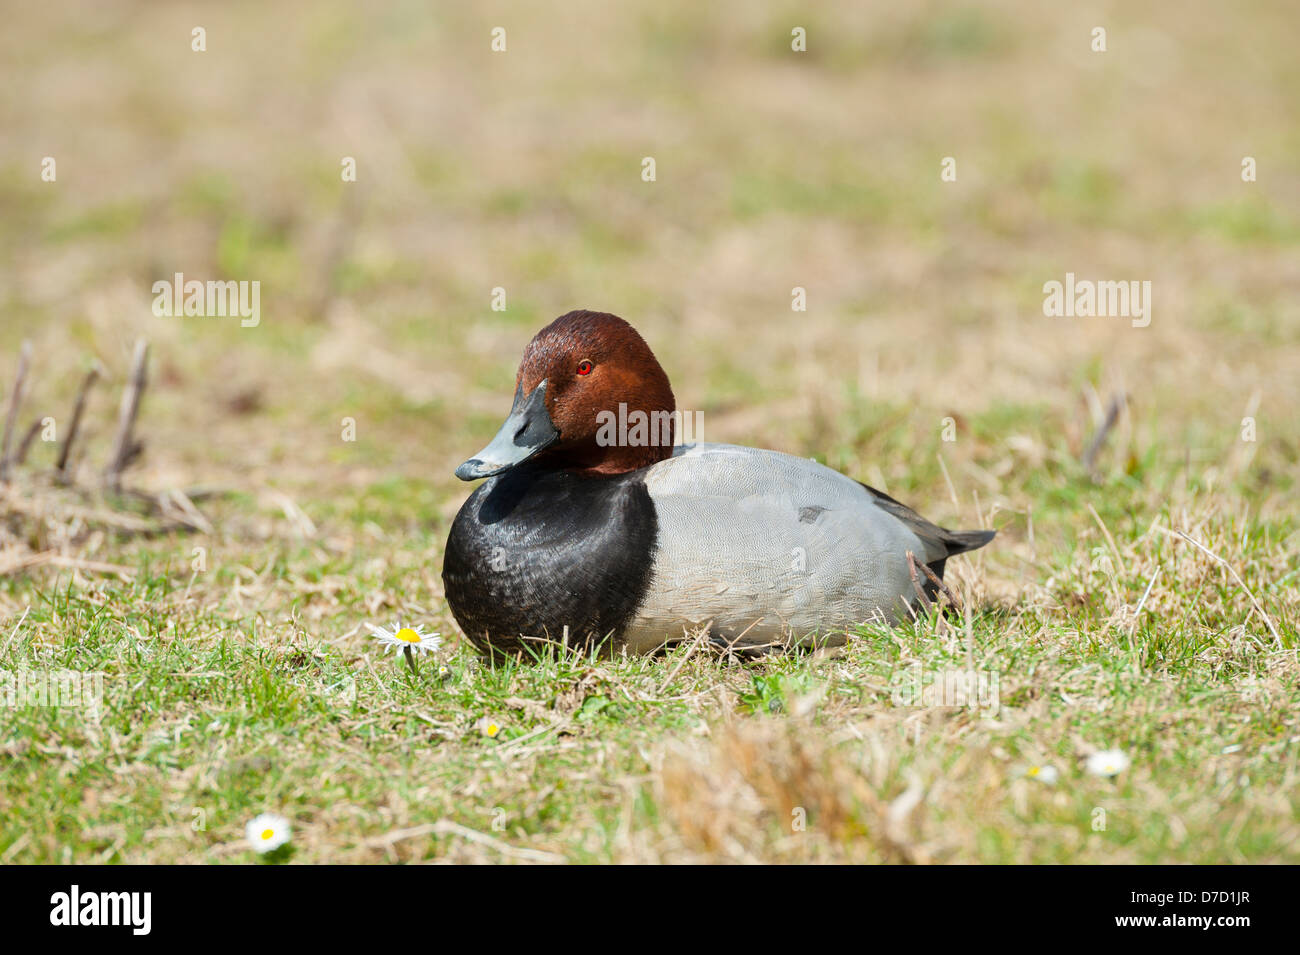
{"x":236,"y":689}
{"x":239,"y":678}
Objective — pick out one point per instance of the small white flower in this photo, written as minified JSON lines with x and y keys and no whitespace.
{"x":406,"y":638}
{"x":1044,"y":774}
{"x":1108,"y":762}
{"x":268,"y":831}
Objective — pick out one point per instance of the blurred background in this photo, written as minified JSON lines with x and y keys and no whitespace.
{"x":774,"y":169}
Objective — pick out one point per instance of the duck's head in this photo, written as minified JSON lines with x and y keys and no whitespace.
{"x":575,"y":374}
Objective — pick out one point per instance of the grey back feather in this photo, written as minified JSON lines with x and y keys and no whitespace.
{"x":775,"y":547}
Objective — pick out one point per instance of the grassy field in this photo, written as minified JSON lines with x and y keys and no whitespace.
{"x":1148,"y":604}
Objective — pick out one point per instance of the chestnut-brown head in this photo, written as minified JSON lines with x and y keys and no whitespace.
{"x":589,"y":396}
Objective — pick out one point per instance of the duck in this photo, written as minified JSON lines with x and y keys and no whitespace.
{"x":594,"y":536}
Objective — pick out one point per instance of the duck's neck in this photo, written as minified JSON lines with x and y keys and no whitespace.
{"x":603,"y":460}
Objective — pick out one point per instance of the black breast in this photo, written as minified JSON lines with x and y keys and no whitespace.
{"x":534,"y":551}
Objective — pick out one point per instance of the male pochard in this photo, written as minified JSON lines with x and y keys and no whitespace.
{"x":585,"y":533}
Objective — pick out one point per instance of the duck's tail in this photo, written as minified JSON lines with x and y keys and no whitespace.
{"x":958,"y":542}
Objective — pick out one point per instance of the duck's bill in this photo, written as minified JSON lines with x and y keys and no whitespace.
{"x":527,"y":431}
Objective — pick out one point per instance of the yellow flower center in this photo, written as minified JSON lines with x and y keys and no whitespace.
{"x":493,"y":729}
{"x":407,"y":634}
{"x":1033,"y":771}
{"x":267,"y":834}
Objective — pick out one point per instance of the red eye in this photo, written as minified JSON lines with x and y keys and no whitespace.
{"x":584,"y":367}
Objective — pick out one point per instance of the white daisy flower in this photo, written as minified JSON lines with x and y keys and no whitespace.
{"x":1108,"y":762}
{"x":412,"y":639}
{"x":1044,"y":774}
{"x":268,"y":831}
